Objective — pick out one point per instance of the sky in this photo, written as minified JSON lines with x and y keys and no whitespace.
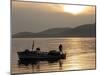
{"x":37,"y":17}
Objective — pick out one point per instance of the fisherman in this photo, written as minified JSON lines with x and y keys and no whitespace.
{"x":38,"y":51}
{"x":27,"y":51}
{"x":60,"y":48}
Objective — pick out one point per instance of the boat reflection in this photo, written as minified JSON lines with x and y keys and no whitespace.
{"x":35,"y":64}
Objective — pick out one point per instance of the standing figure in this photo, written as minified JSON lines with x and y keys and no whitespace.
{"x":60,"y":48}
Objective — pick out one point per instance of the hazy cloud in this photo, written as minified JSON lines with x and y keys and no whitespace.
{"x":35,"y":17}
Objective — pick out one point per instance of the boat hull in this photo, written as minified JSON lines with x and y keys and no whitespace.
{"x":42,"y":56}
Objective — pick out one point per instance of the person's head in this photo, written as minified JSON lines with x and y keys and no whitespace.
{"x":26,"y":50}
{"x":38,"y":49}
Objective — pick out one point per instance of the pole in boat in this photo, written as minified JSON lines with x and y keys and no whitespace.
{"x":33,"y":45}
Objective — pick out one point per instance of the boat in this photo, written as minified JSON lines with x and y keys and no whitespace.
{"x":33,"y":55}
{"x":37,"y":55}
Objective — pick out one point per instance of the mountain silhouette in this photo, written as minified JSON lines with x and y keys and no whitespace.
{"x":87,"y":30}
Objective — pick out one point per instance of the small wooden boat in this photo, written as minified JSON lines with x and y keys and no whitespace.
{"x":39,"y":55}
{"x":33,"y":55}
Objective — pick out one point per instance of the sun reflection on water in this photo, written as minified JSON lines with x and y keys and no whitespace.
{"x":80,"y":54}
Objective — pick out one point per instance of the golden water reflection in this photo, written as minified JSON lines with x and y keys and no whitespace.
{"x":83,"y":61}
{"x":80,"y":55}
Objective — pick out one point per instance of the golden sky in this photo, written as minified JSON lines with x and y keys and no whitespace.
{"x":78,"y":9}
{"x":36,"y":17}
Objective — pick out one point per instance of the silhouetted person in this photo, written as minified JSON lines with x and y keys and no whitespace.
{"x":38,"y":50}
{"x":27,"y":51}
{"x":60,"y":48}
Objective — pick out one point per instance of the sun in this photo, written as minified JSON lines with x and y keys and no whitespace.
{"x":74,"y":9}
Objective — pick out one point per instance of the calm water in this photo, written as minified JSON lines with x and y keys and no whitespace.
{"x":80,"y":54}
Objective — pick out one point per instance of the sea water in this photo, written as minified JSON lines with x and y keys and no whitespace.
{"x":81,"y":54}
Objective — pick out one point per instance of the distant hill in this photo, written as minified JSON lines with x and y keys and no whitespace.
{"x":22,"y":35}
{"x":88,"y":30}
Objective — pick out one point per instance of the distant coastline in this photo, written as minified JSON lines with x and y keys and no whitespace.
{"x":87,"y":30}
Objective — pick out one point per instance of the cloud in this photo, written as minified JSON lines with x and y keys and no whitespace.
{"x":36,"y":17}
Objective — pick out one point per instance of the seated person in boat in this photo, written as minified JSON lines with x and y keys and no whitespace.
{"x":38,"y":51}
{"x":27,"y":51}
